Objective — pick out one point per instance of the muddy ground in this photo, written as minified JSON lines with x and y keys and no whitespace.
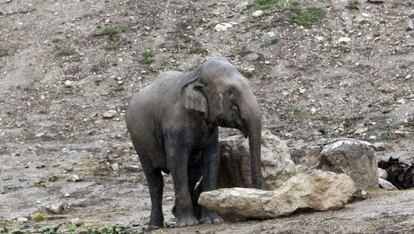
{"x":350,"y":74}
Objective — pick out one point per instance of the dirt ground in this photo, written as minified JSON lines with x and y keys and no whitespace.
{"x":64,"y":89}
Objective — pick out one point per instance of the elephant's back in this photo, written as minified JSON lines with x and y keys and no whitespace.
{"x":148,"y":104}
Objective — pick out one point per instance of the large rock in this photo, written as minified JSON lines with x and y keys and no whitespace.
{"x":317,"y":190}
{"x":277,"y":166}
{"x":353,"y":157}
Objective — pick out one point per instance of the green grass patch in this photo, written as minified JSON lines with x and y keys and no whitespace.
{"x":353,"y":4}
{"x":111,"y":46}
{"x":147,"y":57}
{"x":110,"y":31}
{"x":272,"y":41}
{"x":304,"y":16}
{"x":264,"y":4}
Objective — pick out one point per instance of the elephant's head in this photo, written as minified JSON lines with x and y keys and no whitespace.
{"x":224,"y":96}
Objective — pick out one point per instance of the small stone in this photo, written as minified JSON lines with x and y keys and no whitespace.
{"x":68,"y":84}
{"x":76,"y":221}
{"x":222,"y":27}
{"x":376,"y":1}
{"x":258,"y":13}
{"x":344,"y":40}
{"x":22,"y":219}
{"x":66,"y":195}
{"x":242,"y":6}
{"x":379,"y":146}
{"x":74,"y":178}
{"x":252,"y":57}
{"x":360,"y":131}
{"x":115,"y":167}
{"x":58,"y":208}
{"x":386,"y":184}
{"x":382,"y":173}
{"x":407,"y":77}
{"x":109,"y":114}
{"x":133,"y":168}
{"x":410,"y":25}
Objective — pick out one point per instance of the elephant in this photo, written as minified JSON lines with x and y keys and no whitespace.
{"x":173,"y":124}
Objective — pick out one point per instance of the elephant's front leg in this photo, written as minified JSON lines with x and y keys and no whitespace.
{"x":211,"y":160}
{"x":177,"y":157}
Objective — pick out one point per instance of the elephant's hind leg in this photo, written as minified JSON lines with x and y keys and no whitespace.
{"x":156,"y":186}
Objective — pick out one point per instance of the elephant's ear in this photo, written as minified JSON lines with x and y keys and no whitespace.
{"x":194,"y":98}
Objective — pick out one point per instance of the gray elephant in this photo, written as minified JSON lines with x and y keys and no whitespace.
{"x":174,"y":123}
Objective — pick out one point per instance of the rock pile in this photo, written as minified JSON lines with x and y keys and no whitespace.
{"x":316,"y":190}
{"x":353,"y":157}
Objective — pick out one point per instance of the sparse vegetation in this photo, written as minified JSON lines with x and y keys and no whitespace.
{"x":304,"y":16}
{"x":40,"y":182}
{"x":65,"y":52}
{"x":110,"y":31}
{"x":111,"y":46}
{"x":243,"y":52}
{"x":264,"y":4}
{"x":112,"y":229}
{"x":272,"y":41}
{"x":194,"y":50}
{"x":353,"y":4}
{"x":147,"y":57}
{"x":351,"y":119}
{"x":386,"y":136}
{"x":294,"y":113}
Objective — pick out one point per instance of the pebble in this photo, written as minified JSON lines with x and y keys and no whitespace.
{"x":115,"y":166}
{"x":344,"y":40}
{"x":258,"y":13}
{"x":133,"y":168}
{"x":58,"y":208}
{"x":252,"y":57}
{"x":74,"y":178}
{"x":410,"y":25}
{"x":408,"y":76}
{"x":68,"y":84}
{"x":379,"y":146}
{"x":109,"y":114}
{"x":222,"y":27}
{"x":384,"y":184}
{"x":22,"y":219}
{"x":361,"y":131}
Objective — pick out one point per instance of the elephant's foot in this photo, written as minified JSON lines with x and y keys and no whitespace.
{"x":156,"y":222}
{"x":189,"y":220}
{"x":210,"y":218}
{"x":152,"y":227}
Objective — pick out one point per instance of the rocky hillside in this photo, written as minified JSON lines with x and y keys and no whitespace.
{"x":320,"y":69}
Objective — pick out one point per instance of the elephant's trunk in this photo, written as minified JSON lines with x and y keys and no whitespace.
{"x":253,"y":119}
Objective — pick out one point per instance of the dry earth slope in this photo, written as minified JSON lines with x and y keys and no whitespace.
{"x":68,"y":69}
